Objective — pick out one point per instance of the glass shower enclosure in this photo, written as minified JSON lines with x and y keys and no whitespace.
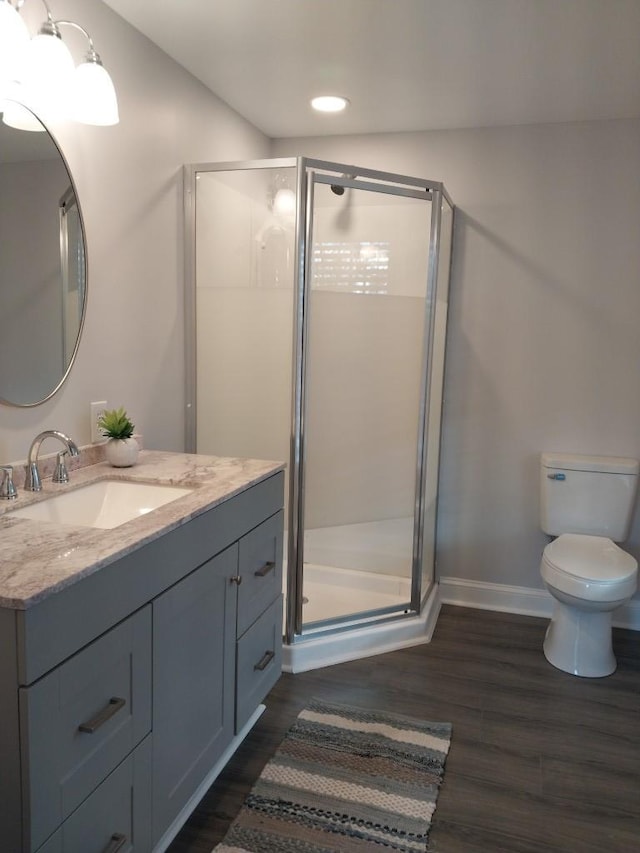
{"x":316,"y":307}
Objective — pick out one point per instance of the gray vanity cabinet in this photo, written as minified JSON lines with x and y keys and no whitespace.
{"x":122,"y":695}
{"x":193,"y":683}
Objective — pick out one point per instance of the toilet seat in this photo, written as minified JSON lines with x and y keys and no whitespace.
{"x":593,"y":568}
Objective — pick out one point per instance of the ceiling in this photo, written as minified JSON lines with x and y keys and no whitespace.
{"x":405,"y":65}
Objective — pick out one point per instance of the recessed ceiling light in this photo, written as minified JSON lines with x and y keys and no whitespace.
{"x":329,"y":103}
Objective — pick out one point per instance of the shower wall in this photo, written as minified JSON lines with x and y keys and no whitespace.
{"x":244,"y":316}
{"x":366,"y":429}
{"x":368,"y":283}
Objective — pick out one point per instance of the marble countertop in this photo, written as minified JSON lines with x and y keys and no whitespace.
{"x":39,"y":558}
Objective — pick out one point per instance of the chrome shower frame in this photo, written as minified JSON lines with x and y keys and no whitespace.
{"x":310,"y":172}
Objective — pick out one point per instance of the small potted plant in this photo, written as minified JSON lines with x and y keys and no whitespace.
{"x":122,"y":449}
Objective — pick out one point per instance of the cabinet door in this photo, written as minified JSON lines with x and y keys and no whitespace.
{"x":193,"y":683}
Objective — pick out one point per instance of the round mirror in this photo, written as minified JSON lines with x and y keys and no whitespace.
{"x":43,"y":268}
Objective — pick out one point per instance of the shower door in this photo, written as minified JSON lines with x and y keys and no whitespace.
{"x":365,"y":324}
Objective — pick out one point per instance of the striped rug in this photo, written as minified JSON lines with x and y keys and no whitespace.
{"x":345,"y":780}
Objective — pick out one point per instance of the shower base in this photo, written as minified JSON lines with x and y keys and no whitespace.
{"x":360,"y":641}
{"x":352,"y":568}
{"x":349,"y":570}
{"x":332,"y":592}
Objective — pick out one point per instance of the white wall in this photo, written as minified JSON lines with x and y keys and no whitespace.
{"x":129,"y":183}
{"x":543,"y":348}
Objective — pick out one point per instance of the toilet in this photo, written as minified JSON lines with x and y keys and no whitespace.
{"x":587,"y":503}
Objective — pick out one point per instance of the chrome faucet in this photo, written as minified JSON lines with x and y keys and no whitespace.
{"x":32,"y":481}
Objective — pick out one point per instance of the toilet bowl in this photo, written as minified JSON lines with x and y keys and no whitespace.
{"x":589,"y":577}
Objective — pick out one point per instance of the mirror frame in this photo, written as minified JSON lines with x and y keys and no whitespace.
{"x":83,"y":232}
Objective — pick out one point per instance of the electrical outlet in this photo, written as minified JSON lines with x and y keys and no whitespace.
{"x":96,"y":410}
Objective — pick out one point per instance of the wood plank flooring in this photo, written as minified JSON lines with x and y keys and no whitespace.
{"x":539,"y":760}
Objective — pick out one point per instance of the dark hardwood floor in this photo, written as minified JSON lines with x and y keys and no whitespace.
{"x":539,"y":760}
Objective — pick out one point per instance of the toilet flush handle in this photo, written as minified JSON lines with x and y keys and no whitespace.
{"x":557,"y":476}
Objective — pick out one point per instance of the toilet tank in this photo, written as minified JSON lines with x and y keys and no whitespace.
{"x":587,"y":494}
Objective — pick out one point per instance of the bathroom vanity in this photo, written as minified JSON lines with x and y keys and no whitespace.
{"x":134,"y":659}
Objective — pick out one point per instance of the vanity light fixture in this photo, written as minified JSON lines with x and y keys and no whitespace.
{"x":44,"y":78}
{"x":329,"y":103}
{"x":94,"y":98}
{"x":14,"y":37}
{"x":45,"y":72}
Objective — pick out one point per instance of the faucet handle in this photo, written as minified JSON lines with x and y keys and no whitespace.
{"x":60,"y":474}
{"x":8,"y":490}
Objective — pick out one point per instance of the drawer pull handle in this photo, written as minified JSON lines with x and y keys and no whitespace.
{"x":268,"y":567}
{"x":117,"y":842}
{"x":236,"y":579}
{"x":100,"y":719}
{"x":264,"y":661}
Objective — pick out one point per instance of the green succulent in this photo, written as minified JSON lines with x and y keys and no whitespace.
{"x":115,"y":423}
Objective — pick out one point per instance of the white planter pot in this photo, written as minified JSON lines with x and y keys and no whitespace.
{"x":121,"y":452}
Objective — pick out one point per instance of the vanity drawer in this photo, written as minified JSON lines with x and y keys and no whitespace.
{"x":81,"y":720}
{"x":260,"y":567}
{"x":116,"y":816}
{"x":258,"y":662}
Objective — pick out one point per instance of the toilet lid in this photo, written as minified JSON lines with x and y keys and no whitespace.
{"x":592,"y":558}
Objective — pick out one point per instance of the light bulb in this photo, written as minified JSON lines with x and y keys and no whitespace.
{"x":14,"y":38}
{"x":94,"y":96}
{"x":329,"y":103}
{"x":46,"y":74}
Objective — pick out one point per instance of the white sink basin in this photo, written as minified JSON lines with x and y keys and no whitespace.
{"x":104,"y":504}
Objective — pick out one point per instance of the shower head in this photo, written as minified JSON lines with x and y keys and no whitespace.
{"x":337,"y":188}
